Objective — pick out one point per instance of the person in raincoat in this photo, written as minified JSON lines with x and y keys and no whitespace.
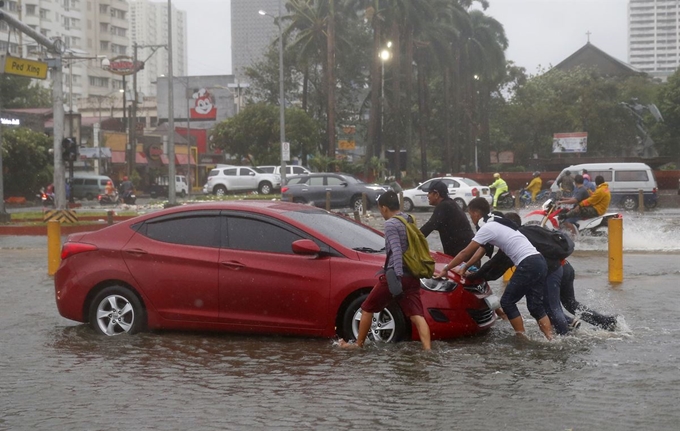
{"x":535,"y":185}
{"x":501,"y":187}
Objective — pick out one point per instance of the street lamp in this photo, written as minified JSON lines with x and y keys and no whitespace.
{"x":384,"y":55}
{"x":285,"y":150}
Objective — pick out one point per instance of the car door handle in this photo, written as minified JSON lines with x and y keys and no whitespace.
{"x":136,"y":251}
{"x":233,"y":265}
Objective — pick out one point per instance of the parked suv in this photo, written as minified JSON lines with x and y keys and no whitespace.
{"x":346,"y":190}
{"x":225,"y":178}
{"x":290,"y":170}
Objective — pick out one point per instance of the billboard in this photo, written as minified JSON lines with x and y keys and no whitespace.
{"x":570,"y":142}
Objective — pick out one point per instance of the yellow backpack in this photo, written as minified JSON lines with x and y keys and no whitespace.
{"x":417,"y":257}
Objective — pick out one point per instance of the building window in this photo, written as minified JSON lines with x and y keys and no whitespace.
{"x":97,"y":81}
{"x":31,"y":9}
{"x":103,"y":8}
{"x":103,"y":45}
{"x":44,"y":13}
{"x":103,"y":27}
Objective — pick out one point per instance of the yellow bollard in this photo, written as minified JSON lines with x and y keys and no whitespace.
{"x":53,"y":246}
{"x":364,"y":203}
{"x":615,"y":226}
{"x":328,"y":201}
{"x":641,"y":201}
{"x":508,"y":274}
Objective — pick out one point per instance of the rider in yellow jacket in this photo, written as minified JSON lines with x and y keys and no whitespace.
{"x":595,"y":205}
{"x":535,"y":185}
{"x":501,"y":187}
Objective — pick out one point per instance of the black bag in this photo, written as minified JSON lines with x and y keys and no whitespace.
{"x":553,"y":245}
{"x":393,"y":282}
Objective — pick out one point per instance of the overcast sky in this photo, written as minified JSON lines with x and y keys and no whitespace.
{"x":541,"y":32}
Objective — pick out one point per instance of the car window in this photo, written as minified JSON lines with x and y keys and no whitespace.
{"x":470,"y":182}
{"x":214,"y":172}
{"x":77,"y":181}
{"x":451,"y":183}
{"x":267,"y":169}
{"x":334,"y":181}
{"x":315,"y":181}
{"x":631,"y":176}
{"x":90,"y":182}
{"x":203,"y":230}
{"x":296,"y":180}
{"x":340,"y":229}
{"x":257,"y":235}
{"x":607,"y":175}
{"x":230,"y":172}
{"x":103,"y":182}
{"x":298,"y":170}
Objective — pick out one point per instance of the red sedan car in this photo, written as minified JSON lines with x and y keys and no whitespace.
{"x":248,"y":267}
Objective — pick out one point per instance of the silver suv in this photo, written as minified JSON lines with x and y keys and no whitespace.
{"x":290,"y":170}
{"x":225,"y":178}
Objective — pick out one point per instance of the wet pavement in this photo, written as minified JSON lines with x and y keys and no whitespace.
{"x":56,"y":374}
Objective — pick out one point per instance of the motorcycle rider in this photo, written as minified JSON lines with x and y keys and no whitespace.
{"x":535,"y":185}
{"x":593,"y":206}
{"x":126,"y":187}
{"x":580,"y":193}
{"x":501,"y":187}
{"x":109,"y":188}
{"x":566,"y":183}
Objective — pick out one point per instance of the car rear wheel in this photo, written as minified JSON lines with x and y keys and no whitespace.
{"x":388,"y":326}
{"x":182,"y":194}
{"x":265,"y":188}
{"x":300,"y":200}
{"x":629,"y":203}
{"x":116,"y":310}
{"x":89,"y":197}
{"x":408,"y":205}
{"x":220,"y":190}
{"x":461,"y":203}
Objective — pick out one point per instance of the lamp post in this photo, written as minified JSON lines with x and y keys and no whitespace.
{"x":100,"y":135}
{"x":282,"y":103}
{"x":385,"y":55}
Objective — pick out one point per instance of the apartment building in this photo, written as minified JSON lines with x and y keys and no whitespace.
{"x":148,"y":27}
{"x":654,"y":36}
{"x":251,"y":32}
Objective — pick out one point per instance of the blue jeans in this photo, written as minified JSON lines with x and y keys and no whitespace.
{"x":552,"y":303}
{"x":528,"y":280}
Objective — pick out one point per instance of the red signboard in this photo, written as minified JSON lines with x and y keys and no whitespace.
{"x":124,"y":65}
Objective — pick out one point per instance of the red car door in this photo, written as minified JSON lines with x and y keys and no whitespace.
{"x":174,"y":260}
{"x":263,"y":284}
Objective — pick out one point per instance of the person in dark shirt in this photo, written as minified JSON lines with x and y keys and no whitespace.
{"x":448,"y":219}
{"x":580,"y":193}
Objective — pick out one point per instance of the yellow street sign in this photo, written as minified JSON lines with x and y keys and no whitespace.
{"x":345,"y":144}
{"x":24,"y":67}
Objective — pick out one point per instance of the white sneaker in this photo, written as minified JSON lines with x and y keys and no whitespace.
{"x":575,"y":324}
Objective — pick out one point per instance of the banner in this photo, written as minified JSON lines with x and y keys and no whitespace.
{"x":570,"y":142}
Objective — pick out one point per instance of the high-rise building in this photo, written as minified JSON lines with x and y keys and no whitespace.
{"x":654,"y":36}
{"x":251,"y":32}
{"x":149,"y":26}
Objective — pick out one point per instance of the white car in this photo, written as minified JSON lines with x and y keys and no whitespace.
{"x":226,"y":178}
{"x":290,"y":170}
{"x":461,"y":190}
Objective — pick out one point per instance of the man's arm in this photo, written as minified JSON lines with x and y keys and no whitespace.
{"x":434,"y":222}
{"x":493,"y":269}
{"x":463,"y":256}
{"x":393,"y":244}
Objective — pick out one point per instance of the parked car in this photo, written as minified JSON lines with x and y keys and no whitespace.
{"x":625,"y":180}
{"x":248,"y":267}
{"x":290,"y":170}
{"x":461,"y":190}
{"x":160,"y":186}
{"x":346,"y":190}
{"x":88,"y":186}
{"x":226,"y":178}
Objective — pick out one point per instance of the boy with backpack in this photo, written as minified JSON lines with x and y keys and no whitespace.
{"x":396,"y":279}
{"x":531,"y":269}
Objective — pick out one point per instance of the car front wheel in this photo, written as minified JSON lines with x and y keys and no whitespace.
{"x":357,"y":204}
{"x":629,"y":203}
{"x":387,"y":326}
{"x":265,"y":188}
{"x":116,"y":310}
{"x":460,"y":202}
{"x":408,"y":205}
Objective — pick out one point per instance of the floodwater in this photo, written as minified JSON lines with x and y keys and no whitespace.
{"x":56,"y":374}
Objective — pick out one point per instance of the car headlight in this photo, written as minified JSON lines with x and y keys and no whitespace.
{"x":438,"y":284}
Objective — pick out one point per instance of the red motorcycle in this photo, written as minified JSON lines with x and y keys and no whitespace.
{"x":549,"y":212}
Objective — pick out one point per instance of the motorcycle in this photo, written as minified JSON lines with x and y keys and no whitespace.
{"x":46,"y":198}
{"x":549,"y":214}
{"x":506,"y":200}
{"x":525,"y":196}
{"x":108,"y":199}
{"x":128,"y":198}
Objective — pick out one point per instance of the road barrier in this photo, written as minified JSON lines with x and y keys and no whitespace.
{"x":64,"y":216}
{"x":615,"y":246}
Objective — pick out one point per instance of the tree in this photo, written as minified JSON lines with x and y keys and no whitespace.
{"x":26,"y":161}
{"x":254,"y":134}
{"x":21,"y":92}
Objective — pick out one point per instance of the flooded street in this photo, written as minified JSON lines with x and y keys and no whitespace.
{"x":56,"y":374}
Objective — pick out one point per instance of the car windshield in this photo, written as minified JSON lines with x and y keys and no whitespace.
{"x":471,"y":183}
{"x":258,"y":170}
{"x":267,"y":169}
{"x":341,"y":230}
{"x":212,"y":173}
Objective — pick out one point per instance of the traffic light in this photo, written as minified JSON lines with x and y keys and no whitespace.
{"x":69,"y":149}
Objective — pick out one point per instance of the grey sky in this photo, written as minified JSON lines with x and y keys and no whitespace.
{"x":541,"y":32}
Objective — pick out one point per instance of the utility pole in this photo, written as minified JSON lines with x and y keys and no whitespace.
{"x":172,"y":199}
{"x":55,"y":47}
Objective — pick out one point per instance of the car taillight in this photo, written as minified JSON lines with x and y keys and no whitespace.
{"x":654,"y":190}
{"x":72,"y":248}
{"x":284,"y":189}
{"x":475,"y":192}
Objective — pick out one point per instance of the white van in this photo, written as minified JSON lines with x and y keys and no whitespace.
{"x":160,"y":186}
{"x":88,"y":186}
{"x":625,"y":180}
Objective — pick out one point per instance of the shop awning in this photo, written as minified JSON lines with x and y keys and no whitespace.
{"x":118,"y":157}
{"x":140,"y":159}
{"x":164,"y":159}
{"x":181,"y":159}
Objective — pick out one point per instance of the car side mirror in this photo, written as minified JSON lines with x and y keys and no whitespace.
{"x":252,"y":174}
{"x":344,"y":184}
{"x":305,"y":247}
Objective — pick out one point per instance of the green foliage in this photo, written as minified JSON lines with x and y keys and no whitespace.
{"x":26,"y":161}
{"x":21,"y":92}
{"x":254,"y":134}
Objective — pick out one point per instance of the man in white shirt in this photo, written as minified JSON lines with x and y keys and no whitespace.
{"x":530,"y":273}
